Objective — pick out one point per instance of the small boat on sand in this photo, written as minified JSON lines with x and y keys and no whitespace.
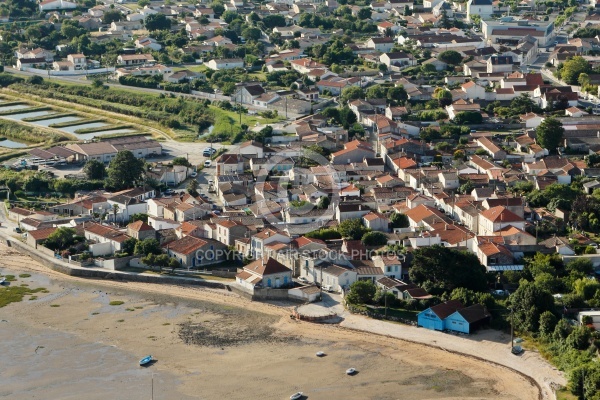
{"x":320,"y":354}
{"x":296,"y":396}
{"x":350,"y":371}
{"x":146,"y":360}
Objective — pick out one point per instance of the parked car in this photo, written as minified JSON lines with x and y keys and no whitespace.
{"x":207,"y":163}
{"x":18,"y":230}
{"x":194,"y":174}
{"x":303,"y":279}
{"x":210,"y":150}
{"x":169,"y":191}
{"x":328,"y":288}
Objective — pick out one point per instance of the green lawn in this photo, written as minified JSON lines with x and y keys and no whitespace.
{"x":565,"y":394}
{"x":229,"y":121}
{"x":397,"y":312}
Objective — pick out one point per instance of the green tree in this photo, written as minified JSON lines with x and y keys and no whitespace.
{"x":465,"y":296}
{"x":547,"y":323}
{"x":451,"y":57}
{"x":111,"y":16}
{"x":60,"y":239}
{"x":579,"y":338}
{"x":468,"y":117}
{"x":550,"y":134}
{"x":323,"y":203}
{"x":397,"y":94}
{"x":352,"y":93}
{"x":466,"y":187}
{"x":147,"y":246}
{"x":352,"y":228}
{"x":376,"y":92}
{"x":374,"y":239}
{"x":157,"y":22}
{"x":124,"y":170}
{"x":523,"y":104}
{"x":529,"y":302}
{"x":361,"y":292}
{"x":149,"y":260}
{"x":364,"y":13}
{"x":440,"y":269}
{"x":443,"y":96}
{"x":251,"y":33}
{"x":94,"y":169}
{"x":139,"y":217}
{"x":399,"y":220}
{"x":181,"y":161}
{"x":573,"y":68}
{"x":128,"y":245}
{"x":192,"y":187}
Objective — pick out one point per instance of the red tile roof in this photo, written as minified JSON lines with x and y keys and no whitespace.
{"x":501,"y":214}
{"x":264,"y":267}
{"x":186,"y":245}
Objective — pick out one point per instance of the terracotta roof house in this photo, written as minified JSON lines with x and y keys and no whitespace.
{"x":39,"y":235}
{"x":106,"y":240}
{"x":140,"y":230}
{"x":193,"y":252}
{"x":264,"y":273}
{"x":496,"y":218}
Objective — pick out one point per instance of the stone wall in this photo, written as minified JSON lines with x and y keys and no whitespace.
{"x":64,"y":268}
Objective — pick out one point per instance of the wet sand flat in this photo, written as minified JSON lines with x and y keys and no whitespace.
{"x":71,"y":343}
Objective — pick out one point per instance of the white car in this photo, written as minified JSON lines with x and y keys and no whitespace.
{"x":210,"y":182}
{"x":207,"y":163}
{"x":194,"y":174}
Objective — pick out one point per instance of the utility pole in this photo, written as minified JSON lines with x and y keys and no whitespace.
{"x":512,"y":330}
{"x":385,"y":299}
{"x":321,"y":285}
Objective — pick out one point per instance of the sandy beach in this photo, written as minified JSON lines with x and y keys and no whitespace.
{"x":71,"y":343}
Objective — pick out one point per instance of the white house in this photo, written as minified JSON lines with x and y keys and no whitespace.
{"x":483,"y":8}
{"x":49,"y":5}
{"x":225,"y":63}
{"x":496,"y":218}
{"x":473,"y":90}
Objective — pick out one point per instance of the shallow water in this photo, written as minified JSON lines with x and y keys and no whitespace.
{"x":22,"y":116}
{"x":14,"y":107}
{"x":72,"y":129}
{"x":11,"y":144}
{"x":57,"y":365}
{"x":48,"y":122}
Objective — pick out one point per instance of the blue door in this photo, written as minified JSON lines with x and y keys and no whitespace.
{"x":269,"y":282}
{"x":428,"y":319}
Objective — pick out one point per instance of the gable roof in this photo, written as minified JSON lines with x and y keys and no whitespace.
{"x":443,"y":310}
{"x":474,"y":313}
{"x":501,"y":214}
{"x":264,"y":267}
{"x":186,"y":245}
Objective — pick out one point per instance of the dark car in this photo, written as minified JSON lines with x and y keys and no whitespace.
{"x":18,"y":230}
